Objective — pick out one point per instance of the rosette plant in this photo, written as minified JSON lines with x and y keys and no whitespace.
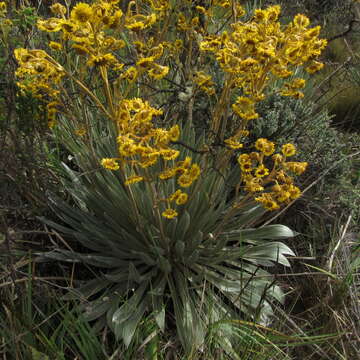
{"x":169,"y":212}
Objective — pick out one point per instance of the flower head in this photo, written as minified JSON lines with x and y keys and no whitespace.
{"x":169,"y":213}
{"x":110,"y":164}
{"x":288,"y":150}
{"x":81,"y":13}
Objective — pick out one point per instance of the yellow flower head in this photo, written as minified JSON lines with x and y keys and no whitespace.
{"x":101,"y":60}
{"x":110,"y":164}
{"x":58,"y":9}
{"x":277,"y":158}
{"x":267,"y":201}
{"x":297,"y":167}
{"x":2,"y":8}
{"x":182,"y":199}
{"x":55,"y":45}
{"x":175,"y":195}
{"x":245,"y":108}
{"x":232,"y":143}
{"x":167,"y":174}
{"x":133,"y":180}
{"x":295,"y":192}
{"x":130,"y":74}
{"x":158,"y":71}
{"x":185,"y":180}
{"x":252,"y":184}
{"x":301,"y":21}
{"x":261,"y":171}
{"x":288,"y":150}
{"x":314,"y":67}
{"x":265,"y":146}
{"x":169,"y":154}
{"x":243,"y":158}
{"x":81,"y":13}
{"x":169,"y":213}
{"x":174,"y":133}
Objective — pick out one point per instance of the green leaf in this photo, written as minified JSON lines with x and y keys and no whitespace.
{"x":129,"y":307}
{"x":266,"y":254}
{"x":37,"y":355}
{"x":182,"y":226}
{"x":272,"y":232}
{"x":179,"y":249}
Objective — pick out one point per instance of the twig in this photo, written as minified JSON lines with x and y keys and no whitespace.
{"x":343,"y":34}
{"x":343,"y":233}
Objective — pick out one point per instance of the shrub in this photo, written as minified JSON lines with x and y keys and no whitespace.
{"x":167,"y":217}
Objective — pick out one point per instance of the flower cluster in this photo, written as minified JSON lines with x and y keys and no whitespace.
{"x":40,"y":76}
{"x":86,"y":27}
{"x":187,"y":173}
{"x":118,"y":46}
{"x":140,"y":143}
{"x":253,"y":50}
{"x":257,"y":177}
{"x":179,"y":198}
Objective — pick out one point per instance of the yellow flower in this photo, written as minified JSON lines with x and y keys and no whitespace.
{"x":133,"y":180}
{"x":175,"y":195}
{"x":139,"y":22}
{"x":146,"y":62}
{"x":267,"y":201}
{"x":261,"y":171}
{"x":130,"y":74}
{"x":110,"y":164}
{"x":297,"y":83}
{"x":101,"y":60}
{"x":314,"y":67}
{"x":277,"y":158}
{"x":194,"y":171}
{"x":265,"y":146}
{"x":243,"y":158}
{"x":82,"y":12}
{"x":2,"y":8}
{"x":55,"y":45}
{"x":169,"y":213}
{"x":245,"y":108}
{"x":295,"y":192}
{"x":80,"y":49}
{"x":174,"y":133}
{"x":58,"y":9}
{"x":169,"y":154}
{"x":232,"y":143}
{"x":301,"y":20}
{"x":252,"y":185}
{"x":185,"y":180}
{"x":288,"y":150}
{"x":167,"y":174}
{"x":246,"y":166}
{"x":222,"y":3}
{"x":297,"y":167}
{"x":50,"y":25}
{"x":158,"y":71}
{"x":181,"y":199}
{"x":254,"y":155}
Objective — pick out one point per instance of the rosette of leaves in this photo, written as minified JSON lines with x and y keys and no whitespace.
{"x":185,"y":272}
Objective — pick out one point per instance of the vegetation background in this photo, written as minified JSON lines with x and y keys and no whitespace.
{"x":319,"y":319}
